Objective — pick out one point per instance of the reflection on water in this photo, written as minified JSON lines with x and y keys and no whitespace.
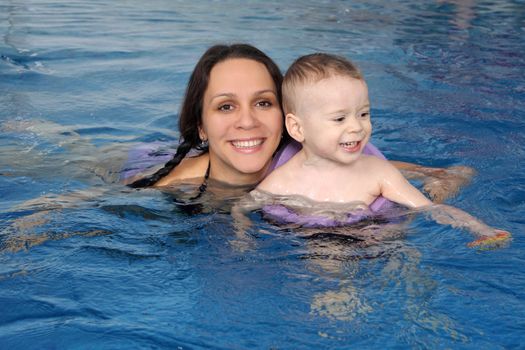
{"x":85,"y":260}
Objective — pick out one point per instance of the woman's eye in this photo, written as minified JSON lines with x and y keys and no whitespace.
{"x":264,"y":104}
{"x":226,"y":107}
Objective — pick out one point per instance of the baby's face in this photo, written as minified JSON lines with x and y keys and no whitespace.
{"x":335,"y":116}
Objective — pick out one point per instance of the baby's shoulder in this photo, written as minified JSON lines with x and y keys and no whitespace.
{"x":380,"y":169}
{"x":276,"y":176}
{"x":276,"y":180}
{"x":373,"y":165}
{"x":373,"y":161}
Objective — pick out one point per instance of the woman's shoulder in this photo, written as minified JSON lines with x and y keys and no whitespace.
{"x":189,"y":168}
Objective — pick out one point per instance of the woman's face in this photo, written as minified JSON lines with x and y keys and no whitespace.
{"x":242,"y":121}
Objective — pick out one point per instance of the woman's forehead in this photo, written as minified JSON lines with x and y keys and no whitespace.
{"x":239,"y":74}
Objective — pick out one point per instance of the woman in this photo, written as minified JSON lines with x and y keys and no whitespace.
{"x":231,"y":117}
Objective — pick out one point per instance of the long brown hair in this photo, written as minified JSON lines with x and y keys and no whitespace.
{"x":191,"y":112}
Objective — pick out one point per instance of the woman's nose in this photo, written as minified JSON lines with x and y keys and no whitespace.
{"x":246,"y":118}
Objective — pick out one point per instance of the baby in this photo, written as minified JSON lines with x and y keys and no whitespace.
{"x":327,"y":108}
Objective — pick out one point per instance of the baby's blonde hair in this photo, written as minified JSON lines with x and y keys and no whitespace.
{"x":312,"y":68}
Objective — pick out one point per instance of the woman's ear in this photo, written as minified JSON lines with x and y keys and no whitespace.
{"x":294,"y":126}
{"x":202,"y":134}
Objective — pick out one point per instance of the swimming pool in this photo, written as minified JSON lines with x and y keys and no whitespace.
{"x":82,"y":82}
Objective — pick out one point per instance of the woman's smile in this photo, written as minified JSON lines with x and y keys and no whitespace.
{"x":248,"y":145}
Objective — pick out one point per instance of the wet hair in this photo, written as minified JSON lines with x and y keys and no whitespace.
{"x":311,"y":69}
{"x":190,"y":118}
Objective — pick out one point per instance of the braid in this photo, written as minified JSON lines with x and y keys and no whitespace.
{"x":182,"y":150}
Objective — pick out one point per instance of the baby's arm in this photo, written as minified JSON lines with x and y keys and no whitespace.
{"x":455,"y":217}
{"x":241,"y":222}
{"x":250,"y":202}
{"x":397,"y":189}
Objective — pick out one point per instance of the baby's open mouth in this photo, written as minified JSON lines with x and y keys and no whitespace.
{"x":350,"y":144}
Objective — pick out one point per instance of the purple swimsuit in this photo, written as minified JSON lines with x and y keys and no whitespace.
{"x":282,"y":214}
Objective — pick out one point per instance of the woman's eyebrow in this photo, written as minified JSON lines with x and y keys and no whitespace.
{"x":224,"y":94}
{"x":260,"y":92}
{"x":232,"y":95}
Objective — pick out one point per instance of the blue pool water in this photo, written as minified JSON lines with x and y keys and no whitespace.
{"x":82,"y":82}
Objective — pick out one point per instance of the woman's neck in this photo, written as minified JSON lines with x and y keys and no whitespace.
{"x":233,"y":177}
{"x":237,"y":178}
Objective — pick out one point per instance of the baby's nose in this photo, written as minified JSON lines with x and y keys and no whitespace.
{"x":353,"y":125}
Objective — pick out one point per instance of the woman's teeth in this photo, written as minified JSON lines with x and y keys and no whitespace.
{"x":247,"y":143}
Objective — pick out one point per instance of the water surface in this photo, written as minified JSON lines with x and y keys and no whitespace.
{"x":82,"y":82}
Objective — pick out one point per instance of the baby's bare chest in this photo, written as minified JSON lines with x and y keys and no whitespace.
{"x":333,"y":187}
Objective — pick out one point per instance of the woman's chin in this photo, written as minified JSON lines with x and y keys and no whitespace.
{"x":253,"y":171}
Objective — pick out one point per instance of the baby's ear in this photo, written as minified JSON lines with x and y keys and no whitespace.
{"x":294,"y":127}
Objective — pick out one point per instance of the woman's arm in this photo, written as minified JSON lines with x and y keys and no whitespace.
{"x":439,"y":183}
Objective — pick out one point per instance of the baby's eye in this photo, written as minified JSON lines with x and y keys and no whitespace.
{"x":340,"y":118}
{"x":226,"y":107}
{"x":365,"y":115}
{"x":264,"y":104}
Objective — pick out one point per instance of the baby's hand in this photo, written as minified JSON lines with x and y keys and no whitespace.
{"x":500,"y":237}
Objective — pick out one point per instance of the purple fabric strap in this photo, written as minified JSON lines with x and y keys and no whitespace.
{"x":146,"y":156}
{"x":283,"y":215}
